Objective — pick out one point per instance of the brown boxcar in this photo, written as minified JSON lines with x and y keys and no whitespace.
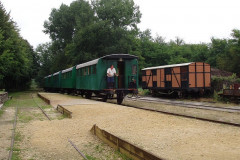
{"x":179,"y":78}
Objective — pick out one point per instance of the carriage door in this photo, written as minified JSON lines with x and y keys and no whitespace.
{"x":184,"y":77}
{"x":121,"y":74}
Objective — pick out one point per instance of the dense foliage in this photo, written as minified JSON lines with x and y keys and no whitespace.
{"x":18,"y":62}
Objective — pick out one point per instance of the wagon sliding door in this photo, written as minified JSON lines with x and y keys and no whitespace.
{"x":168,"y":78}
{"x":199,"y":75}
{"x":184,"y":77}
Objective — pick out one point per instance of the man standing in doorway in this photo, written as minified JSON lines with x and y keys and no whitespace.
{"x":110,"y":76}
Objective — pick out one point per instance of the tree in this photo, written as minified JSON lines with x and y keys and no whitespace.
{"x":16,"y":55}
{"x":83,"y":31}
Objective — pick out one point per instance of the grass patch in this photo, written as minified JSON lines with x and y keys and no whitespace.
{"x":24,"y":99}
{"x":18,"y":137}
{"x":46,"y":106}
{"x":91,"y":157}
{"x":123,"y":156}
{"x":24,"y":118}
{"x":143,"y":92}
{"x":62,"y":117}
{"x":16,"y":154}
{"x":99,"y":148}
{"x":1,"y":112}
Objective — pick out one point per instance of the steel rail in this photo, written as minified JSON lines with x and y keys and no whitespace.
{"x":187,"y":116}
{"x":188,"y":105}
{"x":41,"y":109}
{"x":77,"y":149}
{"x":13,"y":135}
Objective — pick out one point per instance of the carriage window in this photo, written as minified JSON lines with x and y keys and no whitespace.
{"x":144,"y":73}
{"x":134,"y":70}
{"x":81,"y":72}
{"x":84,"y":71}
{"x":154,"y":72}
{"x":89,"y":70}
{"x":94,"y":69}
{"x":167,"y":70}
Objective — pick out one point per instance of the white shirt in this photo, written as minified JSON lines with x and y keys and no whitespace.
{"x":111,"y":72}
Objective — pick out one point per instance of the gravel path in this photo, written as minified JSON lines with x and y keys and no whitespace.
{"x":167,"y":136}
{"x":6,"y":126}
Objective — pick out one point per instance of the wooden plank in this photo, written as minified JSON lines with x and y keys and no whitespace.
{"x":64,"y":111}
{"x":43,"y":98}
{"x":123,"y":146}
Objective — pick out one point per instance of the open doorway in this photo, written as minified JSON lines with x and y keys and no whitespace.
{"x":121,"y":77}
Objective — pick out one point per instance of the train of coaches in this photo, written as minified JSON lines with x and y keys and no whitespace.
{"x":90,"y":78}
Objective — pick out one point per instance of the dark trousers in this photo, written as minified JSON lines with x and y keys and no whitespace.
{"x":110,"y":81}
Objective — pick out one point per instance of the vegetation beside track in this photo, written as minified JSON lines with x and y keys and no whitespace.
{"x":27,"y":112}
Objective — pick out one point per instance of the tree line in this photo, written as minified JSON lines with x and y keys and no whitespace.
{"x":18,"y":61}
{"x":83,"y":31}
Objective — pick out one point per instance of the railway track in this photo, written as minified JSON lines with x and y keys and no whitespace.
{"x":41,"y":109}
{"x":197,"y":105}
{"x":13,"y":135}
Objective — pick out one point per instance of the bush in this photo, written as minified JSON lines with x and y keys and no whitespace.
{"x":219,"y":83}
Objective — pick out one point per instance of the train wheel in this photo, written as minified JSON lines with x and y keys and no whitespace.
{"x":120,"y":97}
{"x":104,"y":99}
{"x":88,"y":95}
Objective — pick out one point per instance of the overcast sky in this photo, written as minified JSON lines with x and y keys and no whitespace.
{"x":193,"y":20}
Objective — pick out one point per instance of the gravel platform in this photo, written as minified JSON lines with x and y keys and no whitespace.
{"x":167,"y":136}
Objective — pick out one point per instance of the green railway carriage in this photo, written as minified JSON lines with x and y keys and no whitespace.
{"x":47,"y":82}
{"x":68,"y":79}
{"x":91,"y":77}
{"x":56,"y":79}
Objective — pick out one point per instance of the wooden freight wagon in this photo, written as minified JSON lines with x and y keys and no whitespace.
{"x":193,"y":77}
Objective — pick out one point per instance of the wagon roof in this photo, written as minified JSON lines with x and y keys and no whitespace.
{"x":47,"y":76}
{"x":168,"y":66}
{"x":56,"y":73}
{"x":118,"y":56}
{"x":111,"y":56}
{"x":67,"y":70}
{"x":95,"y":61}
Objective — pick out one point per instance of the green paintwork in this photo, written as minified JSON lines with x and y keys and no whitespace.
{"x":56,"y":80}
{"x":94,"y":81}
{"x":68,"y":79}
{"x":98,"y":81}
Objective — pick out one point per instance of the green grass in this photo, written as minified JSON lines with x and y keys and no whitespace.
{"x":24,"y":117}
{"x":123,"y":156}
{"x":99,"y":148}
{"x":143,"y":92}
{"x":46,"y":106}
{"x":16,"y":154}
{"x":18,"y":137}
{"x":24,"y":99}
{"x":62,"y":117}
{"x":91,"y":157}
{"x":1,"y":112}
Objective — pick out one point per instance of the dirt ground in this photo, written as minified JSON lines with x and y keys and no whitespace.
{"x":6,"y":126}
{"x":34,"y":140}
{"x":169,"y":137}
